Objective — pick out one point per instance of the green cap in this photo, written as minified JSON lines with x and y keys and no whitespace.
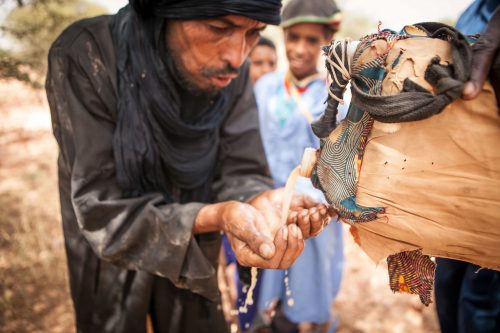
{"x":311,"y":11}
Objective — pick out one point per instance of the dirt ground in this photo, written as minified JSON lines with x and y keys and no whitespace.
{"x":34,"y":294}
{"x":366,"y":304}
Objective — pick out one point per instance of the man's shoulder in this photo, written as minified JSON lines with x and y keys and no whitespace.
{"x":80,"y":32}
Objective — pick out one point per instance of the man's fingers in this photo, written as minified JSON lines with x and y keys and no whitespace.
{"x":303,"y":223}
{"x":289,"y":244}
{"x":311,"y":221}
{"x":292,"y":218}
{"x":471,"y":90}
{"x":262,"y":245}
{"x":302,"y":202}
{"x":241,"y":251}
{"x":253,"y":231}
{"x":294,"y":247}
{"x":484,"y":50}
{"x":281,"y":244}
{"x":259,"y":244}
{"x":316,"y":223}
{"x":246,"y":257}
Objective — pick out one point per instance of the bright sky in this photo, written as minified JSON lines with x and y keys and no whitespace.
{"x":394,"y":14}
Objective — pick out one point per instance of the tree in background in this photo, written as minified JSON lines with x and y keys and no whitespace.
{"x":33,"y":25}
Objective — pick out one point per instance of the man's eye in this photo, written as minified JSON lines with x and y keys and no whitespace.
{"x":218,"y":29}
{"x":254,"y":33}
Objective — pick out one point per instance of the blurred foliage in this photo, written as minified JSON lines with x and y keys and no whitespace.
{"x":12,"y":67}
{"x":33,"y":25}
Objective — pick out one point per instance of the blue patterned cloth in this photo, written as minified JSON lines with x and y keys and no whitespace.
{"x":314,"y":279}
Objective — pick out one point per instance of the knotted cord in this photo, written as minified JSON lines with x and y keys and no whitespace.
{"x":340,"y":65}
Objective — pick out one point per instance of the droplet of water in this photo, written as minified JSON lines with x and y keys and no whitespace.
{"x":288,"y":291}
{"x":253,"y":282}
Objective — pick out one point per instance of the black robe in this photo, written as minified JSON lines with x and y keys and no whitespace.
{"x":128,"y":257}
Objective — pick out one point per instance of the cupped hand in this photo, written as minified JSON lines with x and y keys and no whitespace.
{"x":256,"y":242}
{"x":309,"y":215}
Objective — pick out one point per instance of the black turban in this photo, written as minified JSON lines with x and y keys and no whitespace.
{"x":266,"y":11}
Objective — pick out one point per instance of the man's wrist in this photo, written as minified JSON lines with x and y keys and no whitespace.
{"x":210,"y":218}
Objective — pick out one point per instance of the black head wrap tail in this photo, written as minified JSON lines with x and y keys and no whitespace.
{"x":154,"y":147}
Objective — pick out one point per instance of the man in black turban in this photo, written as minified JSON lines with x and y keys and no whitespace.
{"x":159,"y":152}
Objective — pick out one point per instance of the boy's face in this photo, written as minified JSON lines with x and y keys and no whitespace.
{"x":303,"y":43}
{"x":262,"y":61}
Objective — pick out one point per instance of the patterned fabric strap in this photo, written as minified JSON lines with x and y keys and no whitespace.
{"x":413,"y":273}
{"x":339,"y":166}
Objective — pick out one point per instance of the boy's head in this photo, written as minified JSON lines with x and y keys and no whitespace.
{"x":307,"y":26}
{"x":263,"y":59}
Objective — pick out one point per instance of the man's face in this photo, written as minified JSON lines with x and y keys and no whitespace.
{"x":262,"y":61}
{"x":302,"y":45}
{"x":208,"y":53}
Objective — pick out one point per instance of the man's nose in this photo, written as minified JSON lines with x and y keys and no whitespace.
{"x":236,"y":50}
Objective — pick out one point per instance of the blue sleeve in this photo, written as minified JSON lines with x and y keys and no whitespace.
{"x":476,"y":16}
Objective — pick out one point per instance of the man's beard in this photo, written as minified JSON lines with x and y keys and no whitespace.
{"x":190,"y":83}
